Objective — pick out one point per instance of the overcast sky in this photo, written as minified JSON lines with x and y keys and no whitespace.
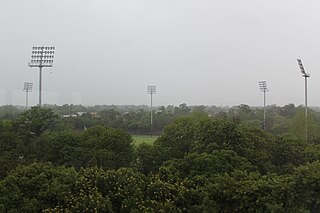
{"x":198,"y":52}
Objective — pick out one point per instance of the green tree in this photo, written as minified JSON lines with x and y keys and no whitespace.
{"x":205,"y":164}
{"x":109,"y":148}
{"x":307,"y":187}
{"x":148,"y":158}
{"x":35,"y":187}
{"x":182,"y":110}
{"x":58,"y":147}
{"x":311,"y":153}
{"x":85,"y":195}
{"x":287,"y":153}
{"x":250,"y":192}
{"x":177,"y":138}
{"x":36,"y":120}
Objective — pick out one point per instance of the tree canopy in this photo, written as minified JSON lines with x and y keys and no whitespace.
{"x":200,"y":163}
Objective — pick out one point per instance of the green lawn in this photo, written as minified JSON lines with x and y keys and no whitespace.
{"x":149,"y":139}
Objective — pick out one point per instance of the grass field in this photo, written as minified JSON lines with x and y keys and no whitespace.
{"x":149,"y":139}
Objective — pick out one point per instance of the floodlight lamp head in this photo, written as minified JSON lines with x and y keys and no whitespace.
{"x":151,"y":89}
{"x":28,"y":86}
{"x":263,"y":86}
{"x":42,"y":54}
{"x":304,"y":74}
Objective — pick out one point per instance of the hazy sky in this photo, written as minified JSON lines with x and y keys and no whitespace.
{"x":209,"y":52}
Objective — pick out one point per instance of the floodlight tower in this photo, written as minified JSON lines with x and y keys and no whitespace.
{"x":306,"y":76}
{"x":151,"y":90}
{"x":27,"y":88}
{"x":264,"y":89}
{"x":42,"y":56}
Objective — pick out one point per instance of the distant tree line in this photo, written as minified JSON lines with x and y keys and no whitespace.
{"x":281,"y":121}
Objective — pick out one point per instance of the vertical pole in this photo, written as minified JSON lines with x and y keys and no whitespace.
{"x":264,"y":109}
{"x":40,"y":84}
{"x":151,"y":121}
{"x":306,"y":105}
{"x":40,"y":76}
{"x":27,"y":98}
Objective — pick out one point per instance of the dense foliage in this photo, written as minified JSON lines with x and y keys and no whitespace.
{"x":281,"y":121}
{"x":200,"y":163}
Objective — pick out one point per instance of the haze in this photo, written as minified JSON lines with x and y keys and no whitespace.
{"x":203,"y":52}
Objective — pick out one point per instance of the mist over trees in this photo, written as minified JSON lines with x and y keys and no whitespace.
{"x":281,"y":121}
{"x":206,"y":159}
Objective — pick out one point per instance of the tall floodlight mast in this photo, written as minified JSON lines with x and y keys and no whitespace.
{"x":151,"y":90}
{"x":42,"y":56}
{"x":264,"y":89}
{"x":27,"y":88}
{"x":306,"y":76}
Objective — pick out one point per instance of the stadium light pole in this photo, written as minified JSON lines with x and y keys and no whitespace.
{"x":306,"y":76}
{"x":264,"y":89}
{"x":27,"y":88}
{"x":151,"y":90}
{"x":42,"y":56}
